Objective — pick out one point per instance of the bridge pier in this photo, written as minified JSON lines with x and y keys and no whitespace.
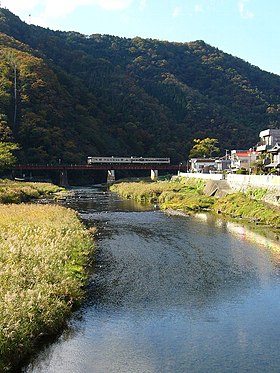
{"x":63,"y":178}
{"x":111,"y":176}
{"x":154,"y":175}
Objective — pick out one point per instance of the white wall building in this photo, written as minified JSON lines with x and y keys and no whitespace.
{"x":275,"y":152}
{"x":268,"y":138}
{"x":203,"y":165}
{"x":242,"y":159}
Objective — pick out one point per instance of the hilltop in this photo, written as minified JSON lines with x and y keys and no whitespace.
{"x":79,"y":95}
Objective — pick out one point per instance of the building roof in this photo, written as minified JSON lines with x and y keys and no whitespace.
{"x":245,"y":153}
{"x":203,"y":160}
{"x":269,"y":132}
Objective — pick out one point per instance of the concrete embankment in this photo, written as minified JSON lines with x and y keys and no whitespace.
{"x":263,"y":187}
{"x":217,"y":188}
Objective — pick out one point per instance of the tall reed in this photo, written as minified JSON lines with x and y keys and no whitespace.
{"x":44,"y":250}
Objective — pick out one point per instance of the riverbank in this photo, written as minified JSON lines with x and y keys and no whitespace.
{"x":45,"y":252}
{"x":242,"y":206}
{"x":186,"y":195}
{"x":17,"y":192}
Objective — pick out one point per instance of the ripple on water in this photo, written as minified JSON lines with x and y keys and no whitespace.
{"x":170,"y":294}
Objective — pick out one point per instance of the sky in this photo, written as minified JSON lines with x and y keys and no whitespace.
{"x":249,"y":29}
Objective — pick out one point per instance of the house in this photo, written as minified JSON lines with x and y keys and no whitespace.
{"x":268,"y":138}
{"x":242,"y":159}
{"x":275,"y":156}
{"x":203,"y":165}
{"x":222,"y":164}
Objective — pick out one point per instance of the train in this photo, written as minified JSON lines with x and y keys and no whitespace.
{"x":127,"y":160}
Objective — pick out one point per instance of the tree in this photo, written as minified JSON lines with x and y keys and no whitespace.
{"x":7,"y":159}
{"x":259,"y":166}
{"x":5,"y":131}
{"x":204,"y":148}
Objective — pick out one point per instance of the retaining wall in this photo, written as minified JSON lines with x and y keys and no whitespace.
{"x":238,"y":182}
{"x":244,"y":183}
{"x":202,"y":176}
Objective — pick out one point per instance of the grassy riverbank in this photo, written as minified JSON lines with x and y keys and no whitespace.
{"x":187,"y":195}
{"x":16,"y":192}
{"x":240,"y":205}
{"x":44,"y":252}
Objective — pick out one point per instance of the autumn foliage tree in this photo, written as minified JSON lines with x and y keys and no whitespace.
{"x":204,"y":148}
{"x":64,"y":95}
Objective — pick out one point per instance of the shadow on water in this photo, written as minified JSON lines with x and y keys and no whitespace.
{"x":170,"y":294}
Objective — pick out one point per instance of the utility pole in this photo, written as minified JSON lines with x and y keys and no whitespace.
{"x":250,"y":154}
{"x":15,"y":96}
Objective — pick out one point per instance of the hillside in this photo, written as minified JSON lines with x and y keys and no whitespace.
{"x":80,"y":95}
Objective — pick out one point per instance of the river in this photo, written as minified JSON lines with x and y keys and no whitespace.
{"x":170,"y":294}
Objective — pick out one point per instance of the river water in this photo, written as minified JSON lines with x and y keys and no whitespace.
{"x":170,"y":294}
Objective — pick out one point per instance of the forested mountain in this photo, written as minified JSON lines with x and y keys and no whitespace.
{"x":64,"y":95}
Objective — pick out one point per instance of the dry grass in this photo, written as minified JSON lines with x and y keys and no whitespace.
{"x":44,"y":250}
{"x":16,"y":192}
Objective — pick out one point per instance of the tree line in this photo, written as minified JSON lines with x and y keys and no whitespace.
{"x":79,"y":96}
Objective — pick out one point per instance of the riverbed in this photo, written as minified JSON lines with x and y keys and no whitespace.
{"x":170,"y":294}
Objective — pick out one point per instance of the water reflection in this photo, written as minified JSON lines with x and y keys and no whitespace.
{"x":262,"y":236}
{"x":89,"y":200}
{"x":171,"y":294}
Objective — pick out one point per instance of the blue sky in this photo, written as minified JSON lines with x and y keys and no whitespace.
{"x":249,"y":29}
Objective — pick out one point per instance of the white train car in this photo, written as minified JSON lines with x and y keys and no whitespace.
{"x":150,"y":160}
{"x":106,"y":160}
{"x":130,"y":160}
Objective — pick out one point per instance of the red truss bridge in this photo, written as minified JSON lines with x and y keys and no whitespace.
{"x":60,"y":167}
{"x":109,"y":167}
